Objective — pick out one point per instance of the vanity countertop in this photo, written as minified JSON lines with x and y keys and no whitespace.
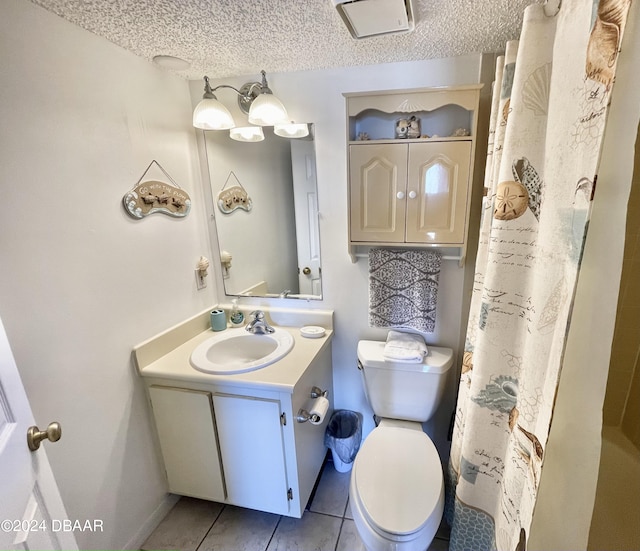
{"x":166,"y":356}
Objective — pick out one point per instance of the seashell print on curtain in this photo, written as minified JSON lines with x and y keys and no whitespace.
{"x":549,"y":110}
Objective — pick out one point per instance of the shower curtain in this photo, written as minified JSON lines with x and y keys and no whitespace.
{"x":549,"y":108}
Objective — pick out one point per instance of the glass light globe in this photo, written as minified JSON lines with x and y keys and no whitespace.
{"x":267,"y":110}
{"x":246,"y":134}
{"x":291,"y":130}
{"x":210,"y":114}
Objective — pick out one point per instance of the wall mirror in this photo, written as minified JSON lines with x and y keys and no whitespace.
{"x":273,"y":249}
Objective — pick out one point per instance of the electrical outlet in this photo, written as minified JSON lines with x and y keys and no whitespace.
{"x":201,"y":282}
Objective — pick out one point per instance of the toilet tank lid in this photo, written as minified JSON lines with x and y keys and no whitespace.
{"x":438,"y":360}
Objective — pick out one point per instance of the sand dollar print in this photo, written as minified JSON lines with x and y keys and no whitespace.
{"x":511,"y":201}
{"x":506,"y":110}
{"x":467,"y":362}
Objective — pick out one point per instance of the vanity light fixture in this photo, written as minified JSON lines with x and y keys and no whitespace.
{"x":254,"y":98}
{"x":291,"y":130}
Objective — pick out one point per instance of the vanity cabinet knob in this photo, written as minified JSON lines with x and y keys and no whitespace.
{"x":412,"y":195}
{"x":400,"y":195}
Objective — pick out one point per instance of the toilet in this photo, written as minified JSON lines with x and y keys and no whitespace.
{"x":396,"y":491}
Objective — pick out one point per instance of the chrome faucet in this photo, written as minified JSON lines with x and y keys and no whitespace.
{"x":258,"y":324}
{"x":285,"y":293}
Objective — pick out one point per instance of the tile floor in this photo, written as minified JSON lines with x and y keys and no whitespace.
{"x":327,"y":525}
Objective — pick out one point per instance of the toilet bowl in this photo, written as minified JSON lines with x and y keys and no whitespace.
{"x":396,"y":490}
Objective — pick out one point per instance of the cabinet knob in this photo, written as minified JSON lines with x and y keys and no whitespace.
{"x":412,"y":195}
{"x":400,"y":195}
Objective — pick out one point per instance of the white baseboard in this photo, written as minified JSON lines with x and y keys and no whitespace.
{"x":152,"y":522}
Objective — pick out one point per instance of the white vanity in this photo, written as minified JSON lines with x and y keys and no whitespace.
{"x":235,"y":438}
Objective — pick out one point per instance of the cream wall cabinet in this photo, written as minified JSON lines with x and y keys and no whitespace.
{"x":413,"y":192}
{"x":409,"y":193}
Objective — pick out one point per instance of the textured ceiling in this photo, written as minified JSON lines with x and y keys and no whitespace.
{"x":223,"y":38}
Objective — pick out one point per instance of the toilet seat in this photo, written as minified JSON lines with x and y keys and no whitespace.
{"x":399,"y":462}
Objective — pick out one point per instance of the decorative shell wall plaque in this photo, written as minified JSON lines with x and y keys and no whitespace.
{"x":151,"y":196}
{"x":233,"y":197}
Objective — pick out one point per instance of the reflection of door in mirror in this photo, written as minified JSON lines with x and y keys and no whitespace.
{"x":306,"y":211}
{"x":263,"y":243}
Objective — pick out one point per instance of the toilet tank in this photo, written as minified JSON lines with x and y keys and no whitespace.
{"x":400,"y":390}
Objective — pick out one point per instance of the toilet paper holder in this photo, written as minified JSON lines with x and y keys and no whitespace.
{"x":303,"y":415}
{"x":317,"y":392}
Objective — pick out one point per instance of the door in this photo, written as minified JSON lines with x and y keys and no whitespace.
{"x":437,"y":192}
{"x":377,"y":187}
{"x":303,"y":166}
{"x":252,"y":449}
{"x":32,"y":515}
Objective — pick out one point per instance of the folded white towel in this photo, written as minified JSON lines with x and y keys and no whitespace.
{"x":404,"y":347}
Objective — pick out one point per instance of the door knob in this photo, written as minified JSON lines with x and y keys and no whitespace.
{"x":306,"y":270}
{"x":35,"y":435}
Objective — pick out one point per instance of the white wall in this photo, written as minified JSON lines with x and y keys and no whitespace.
{"x":316,"y":96}
{"x":80,"y":281}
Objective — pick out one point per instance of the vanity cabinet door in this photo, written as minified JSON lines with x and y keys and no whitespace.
{"x":437,"y":192}
{"x":377,"y":183}
{"x":185,"y":424}
{"x":252,"y":449}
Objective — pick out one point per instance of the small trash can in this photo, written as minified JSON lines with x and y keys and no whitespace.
{"x":342,"y":437}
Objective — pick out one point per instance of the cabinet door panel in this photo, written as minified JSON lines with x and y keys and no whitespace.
{"x":184,"y":420}
{"x":252,"y":451}
{"x":378,"y":174}
{"x":437,"y":192}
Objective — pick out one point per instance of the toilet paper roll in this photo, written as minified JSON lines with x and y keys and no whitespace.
{"x":318,"y":410}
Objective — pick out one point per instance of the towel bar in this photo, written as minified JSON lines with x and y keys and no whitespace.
{"x":448,"y":252}
{"x":366,"y":255}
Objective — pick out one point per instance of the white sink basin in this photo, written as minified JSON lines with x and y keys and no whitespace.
{"x":236,"y":351}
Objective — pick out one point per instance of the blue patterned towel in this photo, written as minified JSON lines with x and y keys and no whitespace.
{"x":403,"y":288}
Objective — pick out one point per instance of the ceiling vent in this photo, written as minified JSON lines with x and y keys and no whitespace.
{"x":376,"y":17}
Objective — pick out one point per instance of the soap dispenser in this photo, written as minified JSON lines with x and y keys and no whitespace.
{"x":236,"y":317}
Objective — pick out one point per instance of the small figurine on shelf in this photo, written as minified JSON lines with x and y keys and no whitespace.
{"x":408,"y":128}
{"x":414,"y":128}
{"x":459,"y":132}
{"x":362,"y":136}
{"x":402,"y":127}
